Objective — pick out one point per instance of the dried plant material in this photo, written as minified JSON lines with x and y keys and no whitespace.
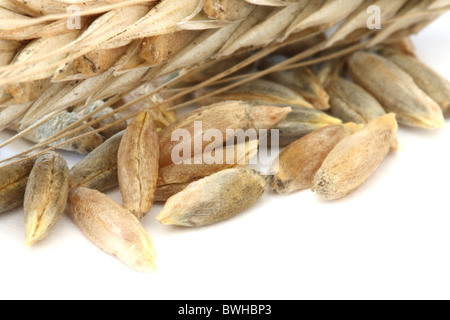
{"x":351,"y":103}
{"x":160,"y":115}
{"x":43,"y":105}
{"x":331,"y":13}
{"x":405,"y":46}
{"x":43,"y":7}
{"x":8,"y":50}
{"x":229,"y":115}
{"x":228,"y":9}
{"x":28,"y":91}
{"x":302,"y":121}
{"x":433,"y":84}
{"x":214,"y":199}
{"x":268,"y":30}
{"x":108,"y":26}
{"x":13,"y":182}
{"x":138,"y":165}
{"x":200,"y":49}
{"x":202,"y":22}
{"x":55,"y":125}
{"x":412,"y":14}
{"x":113,"y":229}
{"x":159,"y":49}
{"x":130,"y":60}
{"x":358,"y":20}
{"x":99,"y":61}
{"x":41,"y":47}
{"x":12,"y":113}
{"x":304,"y":82}
{"x":296,"y":166}
{"x":98,"y":170}
{"x":439,"y":4}
{"x":326,"y":71}
{"x":273,"y":3}
{"x":257,"y":16}
{"x":355,"y":159}
{"x":36,"y":31}
{"x":396,"y":91}
{"x":260,"y":92}
{"x":161,"y":19}
{"x":301,"y":45}
{"x":109,"y":132}
{"x":46,"y":196}
{"x":163,"y":193}
{"x":218,"y":67}
{"x":228,"y":157}
{"x":75,"y":93}
{"x":122,"y":82}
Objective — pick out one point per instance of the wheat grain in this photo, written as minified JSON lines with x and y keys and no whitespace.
{"x":113,"y":229}
{"x":355,"y":159}
{"x":351,"y":103}
{"x":302,"y":121}
{"x":427,"y":79}
{"x":13,"y":182}
{"x":231,"y":115}
{"x":396,"y":91}
{"x":306,"y":84}
{"x":214,"y":199}
{"x":98,"y":170}
{"x":45,"y":196}
{"x":177,"y":174}
{"x":138,"y":165}
{"x":296,"y":166}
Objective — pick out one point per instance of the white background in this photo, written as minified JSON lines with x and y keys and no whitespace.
{"x":389,"y":240}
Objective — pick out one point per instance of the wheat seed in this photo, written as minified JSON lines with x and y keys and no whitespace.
{"x":138,"y":164}
{"x":326,"y":71}
{"x":13,"y":182}
{"x":163,"y":193}
{"x":186,"y":173}
{"x":230,"y":115}
{"x":304,"y":82}
{"x":437,"y":87}
{"x":296,"y":166}
{"x":98,"y":170}
{"x":355,"y":159}
{"x":351,"y":103}
{"x":396,"y":91}
{"x":113,"y":229}
{"x":214,"y":198}
{"x":302,"y":121}
{"x":46,"y":196}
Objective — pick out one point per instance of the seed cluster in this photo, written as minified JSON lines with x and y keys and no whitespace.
{"x":337,"y":118}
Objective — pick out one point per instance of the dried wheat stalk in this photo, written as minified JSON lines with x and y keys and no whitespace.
{"x":123,"y":45}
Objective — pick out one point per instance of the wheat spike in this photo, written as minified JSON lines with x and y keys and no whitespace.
{"x":123,"y":45}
